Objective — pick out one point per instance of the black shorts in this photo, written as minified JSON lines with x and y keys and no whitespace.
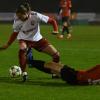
{"x":66,"y":19}
{"x":69,"y":75}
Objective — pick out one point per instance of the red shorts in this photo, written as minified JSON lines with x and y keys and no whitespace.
{"x":38,"y":45}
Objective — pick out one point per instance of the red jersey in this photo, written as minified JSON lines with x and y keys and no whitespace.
{"x":65,"y":7}
{"x":91,"y":76}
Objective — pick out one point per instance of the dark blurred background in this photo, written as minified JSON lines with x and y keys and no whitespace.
{"x":52,"y":5}
{"x":85,"y":11}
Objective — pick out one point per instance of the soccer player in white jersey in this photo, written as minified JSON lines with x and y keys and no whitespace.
{"x":27,"y":30}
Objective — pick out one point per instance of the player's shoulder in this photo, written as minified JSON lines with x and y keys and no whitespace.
{"x":37,"y":14}
{"x":33,"y":13}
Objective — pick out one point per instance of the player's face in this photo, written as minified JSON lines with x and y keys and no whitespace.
{"x":22,"y":16}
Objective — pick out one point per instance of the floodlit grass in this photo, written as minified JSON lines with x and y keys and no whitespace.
{"x":81,"y":52}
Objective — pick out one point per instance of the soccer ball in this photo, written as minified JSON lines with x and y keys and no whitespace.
{"x":15,"y":71}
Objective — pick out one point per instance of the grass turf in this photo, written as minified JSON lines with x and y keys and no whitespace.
{"x":81,"y":52}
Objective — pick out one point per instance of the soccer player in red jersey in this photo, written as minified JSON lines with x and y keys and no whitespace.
{"x":68,"y":74}
{"x":65,"y":12}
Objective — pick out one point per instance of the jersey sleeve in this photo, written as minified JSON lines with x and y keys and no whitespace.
{"x":42,"y":17}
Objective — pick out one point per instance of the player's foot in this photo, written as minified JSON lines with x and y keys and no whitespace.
{"x":60,"y":36}
{"x":69,"y":36}
{"x":54,"y":76}
{"x":24,"y":76}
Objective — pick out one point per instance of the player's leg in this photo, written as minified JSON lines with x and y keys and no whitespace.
{"x":66,"y":73}
{"x":65,"y":27}
{"x":40,"y":65}
{"x":49,"y":49}
{"x":47,"y":67}
{"x":69,"y":28}
{"x":23,"y":58}
{"x":44,"y":46}
{"x":29,"y":57}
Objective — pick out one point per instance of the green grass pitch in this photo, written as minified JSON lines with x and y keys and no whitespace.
{"x":81,"y":52}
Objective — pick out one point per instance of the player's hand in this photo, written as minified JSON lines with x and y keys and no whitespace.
{"x":55,"y":32}
{"x":4,"y":47}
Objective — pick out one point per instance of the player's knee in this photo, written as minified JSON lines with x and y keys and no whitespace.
{"x":56,"y":57}
{"x":22,"y":51}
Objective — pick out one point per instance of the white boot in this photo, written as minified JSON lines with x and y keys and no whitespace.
{"x":61,"y":36}
{"x":69,"y":36}
{"x":25,"y":76}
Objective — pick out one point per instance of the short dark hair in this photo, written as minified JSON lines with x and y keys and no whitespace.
{"x":21,"y":9}
{"x":27,"y":6}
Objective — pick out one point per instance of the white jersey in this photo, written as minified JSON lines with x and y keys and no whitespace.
{"x":30,"y":29}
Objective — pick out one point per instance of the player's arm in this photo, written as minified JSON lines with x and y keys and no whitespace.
{"x":10,"y":41}
{"x":13,"y":36}
{"x":54,"y":24}
{"x":48,"y":20}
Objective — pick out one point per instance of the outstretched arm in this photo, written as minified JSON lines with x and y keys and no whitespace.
{"x":10,"y":41}
{"x":54,"y":24}
{"x":49,"y":20}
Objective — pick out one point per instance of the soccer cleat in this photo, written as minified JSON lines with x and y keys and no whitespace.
{"x":69,"y":36}
{"x":24,"y":76}
{"x":54,"y":76}
{"x":60,"y":36}
{"x":55,"y":32}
